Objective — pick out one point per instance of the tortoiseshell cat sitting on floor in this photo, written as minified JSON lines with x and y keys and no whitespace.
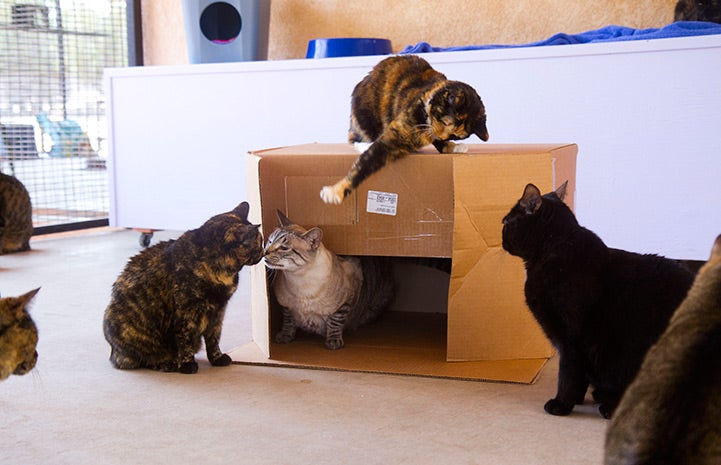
{"x":16,"y":215}
{"x":173,"y":294}
{"x":403,"y":104}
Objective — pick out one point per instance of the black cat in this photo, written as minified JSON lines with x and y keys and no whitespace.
{"x":602,"y":308}
{"x":698,"y":10}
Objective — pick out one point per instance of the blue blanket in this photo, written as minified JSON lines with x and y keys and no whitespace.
{"x":605,"y":34}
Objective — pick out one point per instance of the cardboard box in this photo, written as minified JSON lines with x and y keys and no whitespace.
{"x":425,"y":205}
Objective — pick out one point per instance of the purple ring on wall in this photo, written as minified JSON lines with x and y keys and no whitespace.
{"x":347,"y":46}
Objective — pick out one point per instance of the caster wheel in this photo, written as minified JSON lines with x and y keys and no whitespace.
{"x":145,"y":239}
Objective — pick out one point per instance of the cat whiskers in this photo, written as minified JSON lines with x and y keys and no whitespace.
{"x":270,"y":273}
{"x":37,"y":379}
{"x":423,"y":128}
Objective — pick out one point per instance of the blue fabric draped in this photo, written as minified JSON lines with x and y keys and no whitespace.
{"x":605,"y":34}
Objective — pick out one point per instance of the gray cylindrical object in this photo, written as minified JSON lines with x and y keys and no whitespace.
{"x":223,"y":31}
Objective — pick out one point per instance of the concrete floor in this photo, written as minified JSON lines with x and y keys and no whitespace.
{"x":75,"y":408}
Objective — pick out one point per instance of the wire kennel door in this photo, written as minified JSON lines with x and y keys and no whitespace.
{"x":53,"y":129}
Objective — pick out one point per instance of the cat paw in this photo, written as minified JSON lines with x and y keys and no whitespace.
{"x":328,"y":195}
{"x":284,"y":338}
{"x":452,"y":147}
{"x":334,"y":344}
{"x":189,"y":368}
{"x":556,"y":407}
{"x":606,"y":410}
{"x":337,"y":192}
{"x":222,"y":361}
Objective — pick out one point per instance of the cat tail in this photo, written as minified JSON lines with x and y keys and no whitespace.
{"x":378,"y":287}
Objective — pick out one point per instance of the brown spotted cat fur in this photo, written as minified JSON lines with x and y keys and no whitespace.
{"x":671,"y":412}
{"x":174,"y":293}
{"x":403,"y":104}
{"x":16,"y":215}
{"x":18,"y":336}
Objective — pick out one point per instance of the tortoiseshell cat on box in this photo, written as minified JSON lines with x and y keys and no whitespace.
{"x":602,"y":308}
{"x":403,"y":104}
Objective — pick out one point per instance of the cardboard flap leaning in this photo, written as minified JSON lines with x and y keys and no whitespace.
{"x":425,"y":205}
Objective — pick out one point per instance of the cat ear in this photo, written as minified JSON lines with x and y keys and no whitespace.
{"x":27,"y":297}
{"x":561,"y":191}
{"x":22,"y":301}
{"x":531,"y":200}
{"x":242,"y":210}
{"x":282,"y":219}
{"x":314,"y":237}
{"x":716,"y":249}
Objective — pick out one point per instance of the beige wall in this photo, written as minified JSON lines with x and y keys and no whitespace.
{"x":441,"y":23}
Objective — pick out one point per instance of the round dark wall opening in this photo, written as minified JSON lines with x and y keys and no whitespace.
{"x":220,"y":23}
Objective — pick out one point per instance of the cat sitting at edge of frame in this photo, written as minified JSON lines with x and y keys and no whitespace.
{"x":671,"y":412}
{"x":174,"y":293}
{"x":321,"y":292}
{"x":403,"y":104}
{"x":601,"y":308}
{"x":16,"y":215}
{"x":18,"y":335}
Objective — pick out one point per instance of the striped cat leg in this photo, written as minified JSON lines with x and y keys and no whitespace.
{"x":212,"y":347}
{"x":186,"y":338}
{"x":334,"y":328}
{"x":287,"y":332}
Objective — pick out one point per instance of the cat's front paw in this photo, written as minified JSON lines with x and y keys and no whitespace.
{"x":223,"y":361}
{"x":189,"y":368}
{"x":336,"y":193}
{"x":606,"y":410}
{"x":452,"y":147}
{"x":556,"y":407}
{"x":334,"y":343}
{"x":284,"y":337}
{"x":328,"y":195}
